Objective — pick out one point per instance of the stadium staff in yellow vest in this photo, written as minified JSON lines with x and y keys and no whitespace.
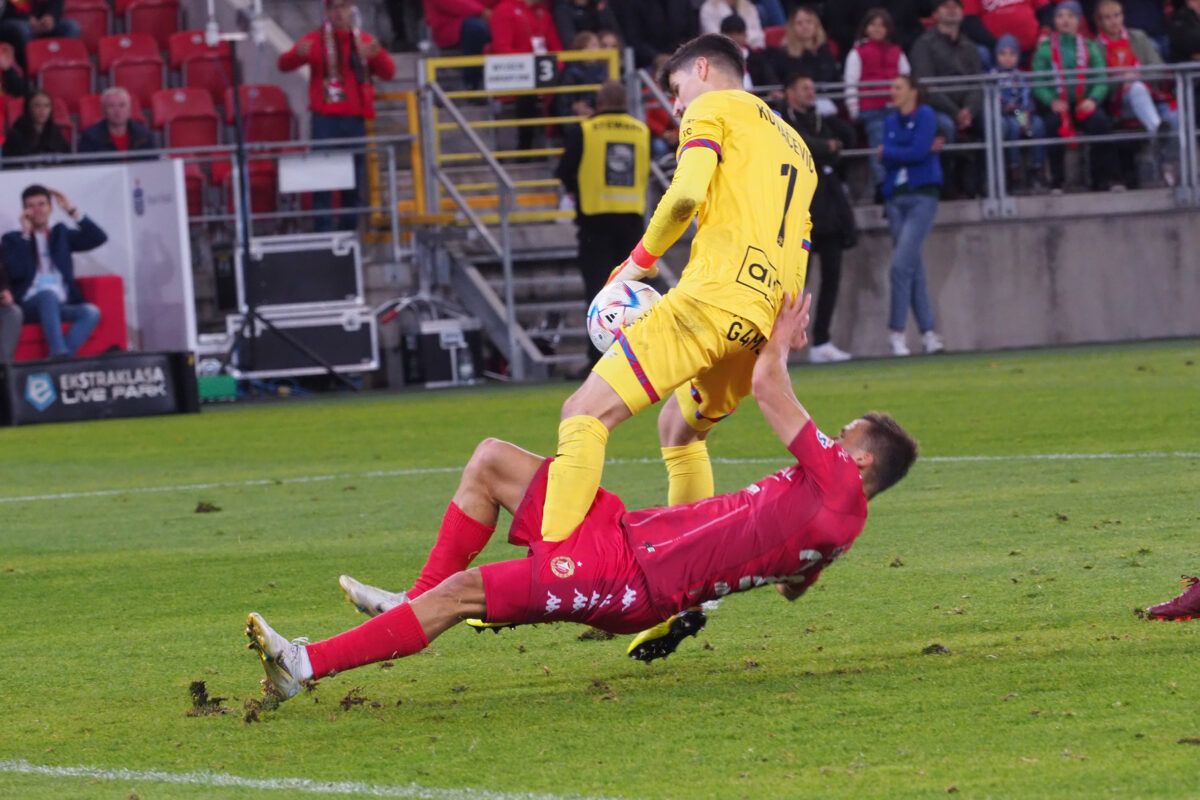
{"x":605,"y":167}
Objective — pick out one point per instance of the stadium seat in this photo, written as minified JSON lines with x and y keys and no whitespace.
{"x":263,"y":184}
{"x":94,"y":18}
{"x":201,"y":66}
{"x":104,"y":291}
{"x":91,"y":110}
{"x":266,"y":112}
{"x":159,"y":18}
{"x":132,"y":60}
{"x":775,"y":35}
{"x":188,"y":117}
{"x":194,"y":183}
{"x":62,"y":68}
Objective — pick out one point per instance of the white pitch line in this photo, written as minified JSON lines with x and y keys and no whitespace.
{"x":395,"y":473}
{"x":217,"y":779}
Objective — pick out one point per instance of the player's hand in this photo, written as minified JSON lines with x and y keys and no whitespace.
{"x":788,"y":590}
{"x":640,"y":265}
{"x":790,"y":329}
{"x":6,"y":298}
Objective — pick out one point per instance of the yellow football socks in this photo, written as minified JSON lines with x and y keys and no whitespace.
{"x":689,"y":473}
{"x":574,"y":475}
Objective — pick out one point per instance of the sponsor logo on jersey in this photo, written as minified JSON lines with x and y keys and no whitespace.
{"x":562,"y":567}
{"x":824,"y":440}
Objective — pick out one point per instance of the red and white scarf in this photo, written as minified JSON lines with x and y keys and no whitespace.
{"x":1067,"y":128}
{"x":335,"y":84}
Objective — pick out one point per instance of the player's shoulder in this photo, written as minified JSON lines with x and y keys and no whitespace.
{"x":722,"y":102}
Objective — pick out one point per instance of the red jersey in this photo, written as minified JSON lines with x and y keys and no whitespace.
{"x":786,"y":527}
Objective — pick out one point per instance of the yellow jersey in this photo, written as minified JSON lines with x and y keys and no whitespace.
{"x":752,"y":239}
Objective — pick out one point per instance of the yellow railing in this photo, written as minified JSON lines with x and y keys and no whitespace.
{"x":529,"y":192}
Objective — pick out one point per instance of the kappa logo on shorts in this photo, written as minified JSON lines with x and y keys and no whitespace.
{"x":759,"y":274}
{"x":562,"y":567}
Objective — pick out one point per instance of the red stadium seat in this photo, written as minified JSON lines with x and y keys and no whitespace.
{"x":132,"y":60}
{"x":775,"y":35}
{"x":194,"y":183}
{"x":159,"y":18}
{"x":201,"y":66}
{"x":94,"y":18}
{"x":62,"y":116}
{"x":13,"y":110}
{"x":266,"y":112}
{"x":188,"y":117}
{"x":105,"y":291}
{"x":91,"y":110}
{"x":263,"y":184}
{"x":62,"y":68}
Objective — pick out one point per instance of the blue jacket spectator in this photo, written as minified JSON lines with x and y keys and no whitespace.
{"x":907,"y":152}
{"x":117,"y":132}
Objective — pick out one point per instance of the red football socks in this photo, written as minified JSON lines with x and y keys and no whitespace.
{"x":393,"y":634}
{"x":459,"y":540}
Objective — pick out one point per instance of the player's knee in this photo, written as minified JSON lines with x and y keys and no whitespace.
{"x":488,"y":455}
{"x":465,"y":590}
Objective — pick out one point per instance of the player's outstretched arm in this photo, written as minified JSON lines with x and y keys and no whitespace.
{"x":673,"y":214}
{"x":771,"y":384}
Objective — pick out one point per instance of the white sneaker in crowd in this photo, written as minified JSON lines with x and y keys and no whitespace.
{"x":899,"y":346}
{"x":931,"y":342}
{"x":827,"y":353}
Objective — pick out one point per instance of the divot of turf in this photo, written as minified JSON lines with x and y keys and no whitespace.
{"x":202,"y":704}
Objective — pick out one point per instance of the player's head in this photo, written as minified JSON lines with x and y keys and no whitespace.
{"x":882,"y":449}
{"x":706,"y":63}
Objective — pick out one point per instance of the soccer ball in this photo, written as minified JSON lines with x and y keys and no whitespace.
{"x":616,"y":306}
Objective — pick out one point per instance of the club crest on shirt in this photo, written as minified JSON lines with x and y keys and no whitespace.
{"x":562,"y":567}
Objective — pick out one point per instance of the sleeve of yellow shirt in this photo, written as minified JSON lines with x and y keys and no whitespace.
{"x":677,"y":207}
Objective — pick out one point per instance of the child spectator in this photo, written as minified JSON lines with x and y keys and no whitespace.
{"x":713,"y":11}
{"x":875,"y":58}
{"x":35,"y":132}
{"x":805,"y":51}
{"x":580,"y":73}
{"x":1018,"y":115}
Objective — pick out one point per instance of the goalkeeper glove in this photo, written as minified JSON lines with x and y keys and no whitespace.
{"x":639,"y":266}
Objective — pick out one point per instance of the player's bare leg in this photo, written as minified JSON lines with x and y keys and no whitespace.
{"x":401,"y":631}
{"x":497,"y":474}
{"x":587,"y":417}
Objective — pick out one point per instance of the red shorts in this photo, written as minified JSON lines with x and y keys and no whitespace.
{"x":591,"y":577}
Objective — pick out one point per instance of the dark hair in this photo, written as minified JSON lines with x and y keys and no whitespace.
{"x":894,"y":449}
{"x":733,"y":24}
{"x":721,"y":51}
{"x":612,"y":97}
{"x":50,"y":139}
{"x":798,"y":76}
{"x":34,"y":190}
{"x":883,"y":16}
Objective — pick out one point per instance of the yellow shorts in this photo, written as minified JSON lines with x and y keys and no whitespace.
{"x":703,"y":353}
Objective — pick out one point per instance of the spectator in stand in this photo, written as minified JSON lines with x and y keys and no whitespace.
{"x":944,"y":51}
{"x":35,"y":132}
{"x":12,"y":80}
{"x":1018,"y":114}
{"x":461,"y":24}
{"x":654,"y":27}
{"x":117,"y":132}
{"x":843,"y":20}
{"x":912,"y":187}
{"x":987,"y":20}
{"x":581,"y":73}
{"x":11,"y":319}
{"x":1147,"y":16}
{"x":524,"y":26}
{"x":833,"y":226}
{"x":805,"y":51}
{"x":770,"y":13}
{"x":664,"y":128}
{"x":1125,"y":50}
{"x":1185,"y":36}
{"x":875,"y":58}
{"x":1074,"y":104}
{"x":572,"y":17}
{"x":605,"y":167}
{"x":757,"y":71}
{"x":26,"y":20}
{"x":713,"y":11}
{"x":341,"y":96}
{"x":42,"y":272}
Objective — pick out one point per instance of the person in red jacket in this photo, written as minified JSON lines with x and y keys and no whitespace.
{"x":1023,"y":19}
{"x":341,"y":96}
{"x":461,"y":24}
{"x":524,"y":26}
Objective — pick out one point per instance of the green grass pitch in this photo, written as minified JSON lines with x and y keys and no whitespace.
{"x":116,"y":595}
